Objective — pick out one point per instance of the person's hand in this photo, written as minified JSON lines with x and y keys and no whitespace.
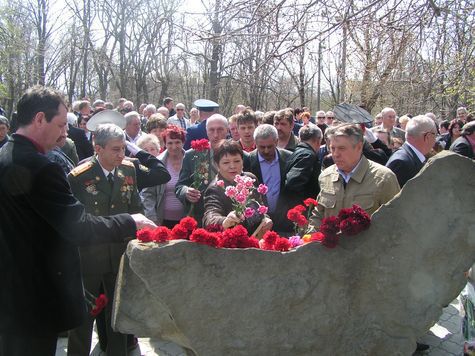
{"x":141,"y":221}
{"x":266,"y":226}
{"x":193,"y":195}
{"x":132,"y":147}
{"x":231,"y":220}
{"x":370,"y":136}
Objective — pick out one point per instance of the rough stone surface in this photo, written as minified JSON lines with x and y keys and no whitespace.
{"x":374,"y":294}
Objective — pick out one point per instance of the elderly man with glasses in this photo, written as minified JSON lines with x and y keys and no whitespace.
{"x":406,"y":162}
{"x":179,"y":118}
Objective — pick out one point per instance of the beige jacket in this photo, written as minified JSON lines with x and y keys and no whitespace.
{"x":371,"y":186}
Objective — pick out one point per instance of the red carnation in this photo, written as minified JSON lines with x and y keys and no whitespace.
{"x":214,"y":228}
{"x":282,"y":244}
{"x":228,"y":240}
{"x":345,"y":213}
{"x":310,"y":201}
{"x":200,"y":145}
{"x":269,"y":238}
{"x":330,"y":241}
{"x":302,"y":221}
{"x":145,"y":235}
{"x":101,"y":302}
{"x":252,"y":242}
{"x":293,"y":214}
{"x":179,"y":232}
{"x":161,"y":234}
{"x":300,"y":208}
{"x":189,"y":223}
{"x":204,"y":237}
{"x":330,"y":225}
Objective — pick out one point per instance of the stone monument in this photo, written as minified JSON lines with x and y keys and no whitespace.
{"x":374,"y":294}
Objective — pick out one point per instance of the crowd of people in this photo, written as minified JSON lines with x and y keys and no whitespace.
{"x":90,"y":174}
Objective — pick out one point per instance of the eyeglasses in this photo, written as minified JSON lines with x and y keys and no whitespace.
{"x":321,"y":117}
{"x":429,"y":133}
{"x":330,"y":117}
{"x":180,"y":109}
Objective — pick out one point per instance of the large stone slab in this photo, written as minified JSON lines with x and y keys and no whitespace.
{"x":374,"y":294}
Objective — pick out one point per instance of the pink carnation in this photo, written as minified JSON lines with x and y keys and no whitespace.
{"x":262,"y":209}
{"x":249,"y":212}
{"x":262,"y":189}
{"x":220,"y":183}
{"x":240,"y":198}
{"x":230,"y":191}
{"x":295,"y":241}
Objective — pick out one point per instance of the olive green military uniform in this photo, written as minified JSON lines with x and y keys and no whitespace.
{"x":100,"y":263}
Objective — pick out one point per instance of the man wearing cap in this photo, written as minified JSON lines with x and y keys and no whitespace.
{"x":106,"y":184}
{"x":198,"y":132}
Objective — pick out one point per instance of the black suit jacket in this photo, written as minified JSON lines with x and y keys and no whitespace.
{"x":279,"y":217}
{"x":302,"y":171}
{"x":463,"y":147}
{"x":41,"y":225}
{"x":404,"y":163}
{"x":84,"y":147}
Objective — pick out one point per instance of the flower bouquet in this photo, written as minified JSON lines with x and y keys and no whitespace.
{"x":244,"y":203}
{"x":201,"y":174}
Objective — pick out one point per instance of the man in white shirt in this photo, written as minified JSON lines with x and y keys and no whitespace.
{"x":179,"y":118}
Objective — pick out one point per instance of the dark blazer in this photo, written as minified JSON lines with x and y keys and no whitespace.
{"x":279,"y":217}
{"x":186,"y":179}
{"x":302,"y":171}
{"x":463,"y":147}
{"x":150,"y":170}
{"x":404,"y":163}
{"x":195,"y":132}
{"x":41,"y":225}
{"x":84,"y":147}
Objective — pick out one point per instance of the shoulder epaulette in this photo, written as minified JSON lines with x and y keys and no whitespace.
{"x":81,"y":168}
{"x":126,"y":162}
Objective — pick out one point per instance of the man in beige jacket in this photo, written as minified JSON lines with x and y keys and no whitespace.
{"x":353,"y":179}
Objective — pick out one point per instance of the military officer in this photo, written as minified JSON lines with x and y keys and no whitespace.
{"x":106,"y":184}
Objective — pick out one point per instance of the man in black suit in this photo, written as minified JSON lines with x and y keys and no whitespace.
{"x":303,"y":167}
{"x":84,"y":147}
{"x":421,"y":134}
{"x":267,"y":163}
{"x":464,"y":145}
{"x":41,"y":226}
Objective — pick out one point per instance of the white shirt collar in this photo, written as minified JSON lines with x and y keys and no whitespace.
{"x":419,"y":155}
{"x":348,"y":176}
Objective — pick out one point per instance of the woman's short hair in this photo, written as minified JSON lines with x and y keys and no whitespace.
{"x":148,"y":138}
{"x":175,"y":133}
{"x":227,"y":147}
{"x":107,"y":132}
{"x":156,"y":121}
{"x":453,"y":123}
{"x":305,"y":114}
